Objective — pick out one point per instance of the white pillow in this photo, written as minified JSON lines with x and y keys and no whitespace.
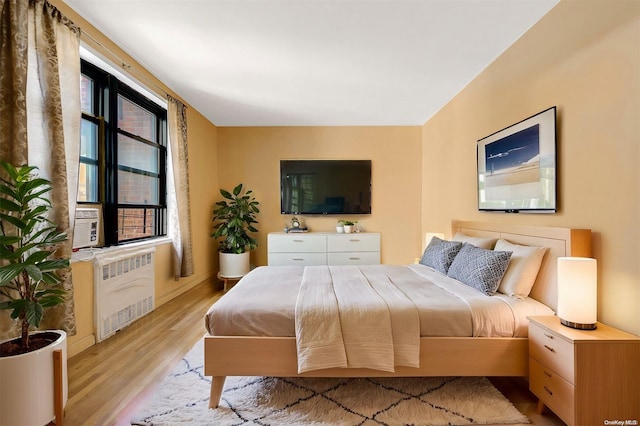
{"x":523,"y":268}
{"x":485,"y":243}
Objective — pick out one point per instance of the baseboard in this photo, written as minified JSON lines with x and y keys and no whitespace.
{"x":80,"y":345}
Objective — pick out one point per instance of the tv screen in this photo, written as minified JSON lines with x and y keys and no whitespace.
{"x":325,"y":187}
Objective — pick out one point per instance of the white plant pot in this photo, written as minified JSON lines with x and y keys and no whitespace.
{"x":340,"y":229}
{"x":26,"y":392}
{"x":234,"y":265}
{"x":348,"y":229}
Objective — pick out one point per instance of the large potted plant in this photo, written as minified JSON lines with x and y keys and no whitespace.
{"x":233,"y":219}
{"x":30,"y":282}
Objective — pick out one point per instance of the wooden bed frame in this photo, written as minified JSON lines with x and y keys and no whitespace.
{"x":439,"y":356}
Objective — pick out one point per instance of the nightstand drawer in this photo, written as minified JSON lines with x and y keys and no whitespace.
{"x":552,"y":351}
{"x":553,"y":390}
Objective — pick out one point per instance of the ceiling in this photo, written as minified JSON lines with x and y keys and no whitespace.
{"x":314,"y":62}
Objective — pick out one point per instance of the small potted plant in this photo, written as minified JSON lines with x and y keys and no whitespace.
{"x":31,"y":277}
{"x":348,"y":225}
{"x":234,"y":218}
{"x":340,"y":227}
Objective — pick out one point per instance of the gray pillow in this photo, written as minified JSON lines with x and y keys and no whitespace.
{"x":440,"y":253}
{"x":480,"y":268}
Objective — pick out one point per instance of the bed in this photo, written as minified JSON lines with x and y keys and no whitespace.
{"x":246,"y":353}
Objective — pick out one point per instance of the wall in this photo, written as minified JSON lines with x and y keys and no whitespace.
{"x":252,"y":156}
{"x":583,"y":57}
{"x":202,"y":152}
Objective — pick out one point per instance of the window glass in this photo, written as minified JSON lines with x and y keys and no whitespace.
{"x":136,"y":120}
{"x":137,"y":155}
{"x":86,"y":95}
{"x":134,"y":188}
{"x":88,"y":183}
{"x":135,"y":223}
{"x":88,"y":171}
{"x":89,"y":140}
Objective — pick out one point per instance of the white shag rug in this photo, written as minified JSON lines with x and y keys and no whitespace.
{"x":183,"y":399}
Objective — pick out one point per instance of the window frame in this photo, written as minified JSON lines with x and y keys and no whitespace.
{"x":106,"y":90}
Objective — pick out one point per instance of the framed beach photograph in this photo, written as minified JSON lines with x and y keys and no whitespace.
{"x":517,"y":166}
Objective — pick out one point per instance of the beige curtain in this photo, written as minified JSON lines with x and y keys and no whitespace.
{"x":40,"y":108}
{"x":178,"y":203}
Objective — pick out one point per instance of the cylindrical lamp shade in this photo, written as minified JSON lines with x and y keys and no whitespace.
{"x":578,"y":292}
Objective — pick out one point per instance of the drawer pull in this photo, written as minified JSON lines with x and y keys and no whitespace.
{"x":298,"y":259}
{"x":546,"y":373}
{"x":549,"y":348}
{"x":550,"y":336}
{"x":298,"y":241}
{"x":354,"y":258}
{"x":548,"y":391}
{"x":354,"y":241}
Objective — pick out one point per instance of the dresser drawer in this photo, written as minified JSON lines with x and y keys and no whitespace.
{"x":553,"y":390}
{"x":296,"y":243}
{"x":552,"y":351}
{"x":353,"y":242}
{"x":293,"y":259}
{"x":354,"y":258}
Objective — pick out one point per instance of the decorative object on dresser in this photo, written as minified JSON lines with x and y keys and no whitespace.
{"x":578,"y":292}
{"x":234,"y":218}
{"x":585,"y":377}
{"x":297,"y":226}
{"x":319,"y":248}
{"x":348,"y":225}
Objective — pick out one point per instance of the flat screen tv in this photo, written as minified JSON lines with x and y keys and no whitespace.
{"x":517,"y":166}
{"x":325,"y":187}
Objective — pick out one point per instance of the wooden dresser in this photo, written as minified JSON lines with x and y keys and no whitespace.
{"x":586,"y":377}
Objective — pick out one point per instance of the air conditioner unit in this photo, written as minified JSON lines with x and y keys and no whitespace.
{"x":87,"y":228}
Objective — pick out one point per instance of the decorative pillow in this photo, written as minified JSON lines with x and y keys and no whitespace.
{"x":480,"y":268}
{"x":440,"y":253}
{"x":523,"y":268}
{"x":485,"y":243}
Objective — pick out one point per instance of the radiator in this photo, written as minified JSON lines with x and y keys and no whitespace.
{"x":124,"y":288}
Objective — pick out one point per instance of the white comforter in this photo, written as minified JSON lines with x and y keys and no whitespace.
{"x":351,"y":317}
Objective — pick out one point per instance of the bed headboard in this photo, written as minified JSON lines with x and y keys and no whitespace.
{"x":559,"y":241}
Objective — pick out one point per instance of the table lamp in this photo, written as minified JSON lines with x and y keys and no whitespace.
{"x":578,"y":292}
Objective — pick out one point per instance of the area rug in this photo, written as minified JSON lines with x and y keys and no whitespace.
{"x":183,"y":398}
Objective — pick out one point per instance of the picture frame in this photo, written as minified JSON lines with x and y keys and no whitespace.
{"x":517,"y":170}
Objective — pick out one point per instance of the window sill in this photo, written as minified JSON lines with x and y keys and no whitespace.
{"x":89,"y":254}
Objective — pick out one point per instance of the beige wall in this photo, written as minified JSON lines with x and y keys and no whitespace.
{"x":203,"y":183}
{"x":583,"y":57}
{"x":252,"y":156}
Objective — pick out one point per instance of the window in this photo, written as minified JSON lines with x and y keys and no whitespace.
{"x":123,"y":154}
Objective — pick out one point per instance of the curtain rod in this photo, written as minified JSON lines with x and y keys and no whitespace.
{"x":122,"y":64}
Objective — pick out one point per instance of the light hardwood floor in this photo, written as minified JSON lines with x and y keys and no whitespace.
{"x":110,"y":380}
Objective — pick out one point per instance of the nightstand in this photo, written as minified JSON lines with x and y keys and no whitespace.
{"x":585,"y":377}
